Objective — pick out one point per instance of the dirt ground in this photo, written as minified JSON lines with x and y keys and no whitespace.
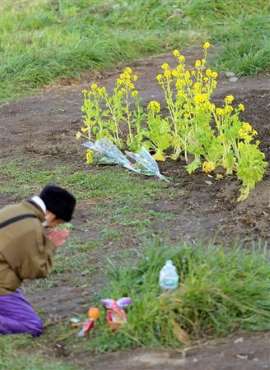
{"x":44,"y":125}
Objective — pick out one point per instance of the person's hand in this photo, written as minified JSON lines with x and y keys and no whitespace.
{"x":58,"y":237}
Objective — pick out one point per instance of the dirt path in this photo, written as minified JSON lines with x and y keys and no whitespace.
{"x":237,"y":353}
{"x":44,"y":126}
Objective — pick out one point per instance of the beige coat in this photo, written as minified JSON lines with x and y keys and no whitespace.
{"x":25,"y":251}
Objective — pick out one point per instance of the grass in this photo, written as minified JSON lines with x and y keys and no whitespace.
{"x":111,"y":184}
{"x":12,"y":356}
{"x":221,"y":291}
{"x":43,"y":40}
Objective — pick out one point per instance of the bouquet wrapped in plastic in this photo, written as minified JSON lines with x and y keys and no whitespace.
{"x":105,"y":152}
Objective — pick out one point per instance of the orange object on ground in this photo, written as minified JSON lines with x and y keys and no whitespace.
{"x":93,"y":313}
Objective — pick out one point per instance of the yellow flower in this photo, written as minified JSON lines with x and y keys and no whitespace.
{"x":94,"y":87}
{"x":101,"y":91}
{"x":78,"y":135}
{"x":200,"y":98}
{"x":154,"y":106}
{"x":220,"y":111}
{"x":206,"y":45}
{"x":167,"y":73}
{"x":84,"y":129}
{"x":198,"y":63}
{"x":119,"y":82}
{"x":176,"y":53}
{"x":229,"y":99}
{"x":159,"y":156}
{"x":245,"y":135}
{"x":214,"y":75}
{"x":128,"y":70}
{"x":135,"y":78}
{"x":165,"y":66}
{"x":246,"y":132}
{"x":159,"y":77}
{"x":246,"y":127}
{"x":228,"y":109}
{"x":214,"y":85}
{"x":180,"y":68}
{"x":134,"y":93}
{"x":130,"y":85}
{"x":208,"y":73}
{"x":181,"y":58}
{"x":241,"y":107}
{"x":208,"y":167}
{"x":197,"y":86}
{"x":89,"y":156}
{"x":187,"y":75}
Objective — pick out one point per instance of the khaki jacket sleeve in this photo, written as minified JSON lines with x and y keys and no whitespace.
{"x":33,"y":258}
{"x":37,"y":264}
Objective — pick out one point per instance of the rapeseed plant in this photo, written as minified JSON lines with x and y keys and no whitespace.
{"x":206,"y":135}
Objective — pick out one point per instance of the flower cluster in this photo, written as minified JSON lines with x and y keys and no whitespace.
{"x":246,"y":132}
{"x":127,"y":79}
{"x":154,"y":106}
{"x":208,"y":167}
{"x":191,"y":126}
{"x":106,"y":114}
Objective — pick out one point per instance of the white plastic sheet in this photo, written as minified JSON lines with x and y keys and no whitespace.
{"x":105,"y":152}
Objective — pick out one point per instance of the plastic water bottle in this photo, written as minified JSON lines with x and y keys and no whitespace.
{"x":168,"y":277}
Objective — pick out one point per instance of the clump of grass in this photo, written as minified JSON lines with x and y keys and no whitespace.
{"x":12,"y":358}
{"x":245,"y":45}
{"x":221,"y":291}
{"x":241,"y":30}
{"x":44,"y":40}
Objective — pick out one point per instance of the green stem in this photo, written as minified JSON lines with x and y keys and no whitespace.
{"x":114,"y":118}
{"x":128,"y":118}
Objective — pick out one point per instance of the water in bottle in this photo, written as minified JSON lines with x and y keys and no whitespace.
{"x":168,"y":277}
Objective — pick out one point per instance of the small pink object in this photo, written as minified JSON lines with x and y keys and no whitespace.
{"x":88,"y":325}
{"x":58,"y":237}
{"x":116,"y":315}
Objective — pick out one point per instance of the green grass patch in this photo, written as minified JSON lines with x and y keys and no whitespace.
{"x":111,"y":184}
{"x":13,"y":357}
{"x":74,"y":259}
{"x":221,"y":291}
{"x":43,"y":40}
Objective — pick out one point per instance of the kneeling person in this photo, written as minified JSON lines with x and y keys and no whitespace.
{"x":27,"y":243}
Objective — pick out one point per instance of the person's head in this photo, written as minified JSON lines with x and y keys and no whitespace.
{"x":60,"y":205}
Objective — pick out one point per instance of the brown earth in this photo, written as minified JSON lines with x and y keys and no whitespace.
{"x":43,"y":126}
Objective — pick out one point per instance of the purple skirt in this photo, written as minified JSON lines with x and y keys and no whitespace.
{"x":17,"y":315}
